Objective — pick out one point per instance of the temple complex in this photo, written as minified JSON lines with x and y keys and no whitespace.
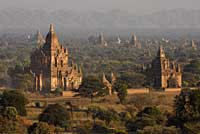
{"x":49,"y":66}
{"x":165,"y":74}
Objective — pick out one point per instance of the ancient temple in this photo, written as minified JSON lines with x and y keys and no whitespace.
{"x":134,"y":41}
{"x":164,"y":73}
{"x":49,"y":65}
{"x":193,"y":45}
{"x":101,"y":40}
{"x":39,"y":38}
{"x":107,"y":83}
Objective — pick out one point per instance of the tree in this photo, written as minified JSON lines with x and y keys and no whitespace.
{"x":15,"y":98}
{"x":108,"y":116}
{"x":41,"y":128}
{"x":56,"y":115}
{"x":191,"y":128}
{"x":92,"y":87}
{"x":132,"y":79}
{"x":10,"y":112}
{"x":103,"y":114}
{"x":152,"y":111}
{"x":11,"y":126}
{"x":187,"y":105}
{"x":121,"y":90}
{"x":149,"y":116}
{"x":193,"y":67}
{"x":158,"y":129}
{"x":191,"y":72}
{"x":94,"y":111}
{"x":21,"y":78}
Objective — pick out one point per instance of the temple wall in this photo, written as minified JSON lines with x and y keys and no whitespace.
{"x":138,"y":91}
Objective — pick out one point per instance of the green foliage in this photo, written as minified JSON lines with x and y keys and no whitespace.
{"x":56,"y":115}
{"x":157,"y":129}
{"x":15,"y":98}
{"x":108,"y":116}
{"x":11,"y":126}
{"x":121,"y":90}
{"x":191,"y":128}
{"x":191,"y":72}
{"x":10,"y":112}
{"x":152,"y":111}
{"x":58,"y":91}
{"x":2,"y":70}
{"x":94,"y":112}
{"x":185,"y":84}
{"x":100,"y":128}
{"x":92,"y":87}
{"x":41,"y":128}
{"x":193,"y":67}
{"x":21,"y":79}
{"x":132,"y":79}
{"x":149,"y":116}
{"x":190,"y":78}
{"x":187,"y":105}
{"x":124,"y":116}
{"x":85,"y":129}
{"x":103,"y":114}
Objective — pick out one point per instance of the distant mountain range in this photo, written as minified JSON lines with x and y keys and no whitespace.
{"x":29,"y":19}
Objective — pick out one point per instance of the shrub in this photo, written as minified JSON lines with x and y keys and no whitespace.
{"x":157,"y":129}
{"x":149,"y":116}
{"x":58,"y":91}
{"x":56,"y":115}
{"x":191,"y":128}
{"x":100,"y":128}
{"x":102,"y":114}
{"x":85,"y":129}
{"x":108,"y":116}
{"x":11,"y":126}
{"x":121,"y":90}
{"x":152,"y":111}
{"x":10,"y":112}
{"x":187,"y":105}
{"x":41,"y":128}
{"x":15,"y":98}
{"x":92,"y":87}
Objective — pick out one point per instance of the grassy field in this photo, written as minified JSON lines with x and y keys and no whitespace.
{"x":135,"y":102}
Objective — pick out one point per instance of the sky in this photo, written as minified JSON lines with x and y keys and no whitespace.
{"x":134,"y":6}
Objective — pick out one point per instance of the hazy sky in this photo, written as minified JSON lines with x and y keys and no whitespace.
{"x":135,"y":6}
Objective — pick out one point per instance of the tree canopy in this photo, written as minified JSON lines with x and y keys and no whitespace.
{"x":92,"y":87}
{"x":121,"y":89}
{"x":14,"y":98}
{"x":56,"y":115}
{"x":187,"y":105}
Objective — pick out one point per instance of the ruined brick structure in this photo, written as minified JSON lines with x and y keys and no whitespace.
{"x":107,"y":83}
{"x":49,"y":65}
{"x":165,"y":74}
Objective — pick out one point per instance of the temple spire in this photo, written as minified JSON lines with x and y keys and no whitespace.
{"x":161,"y":52}
{"x":51,"y":28}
